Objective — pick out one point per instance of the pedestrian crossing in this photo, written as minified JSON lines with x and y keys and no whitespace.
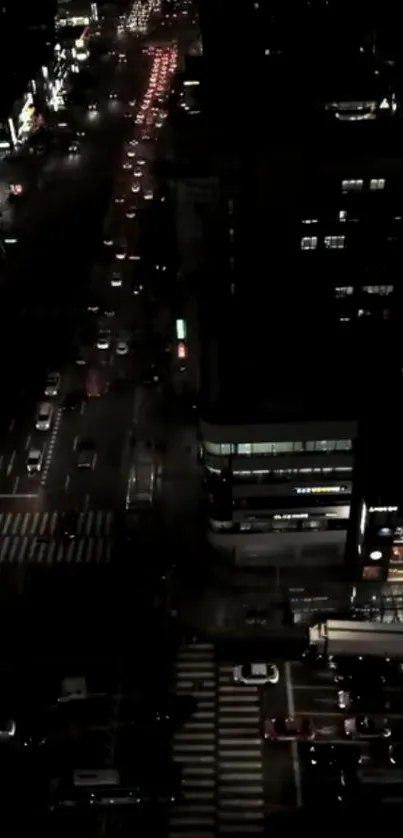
{"x":240,"y":792}
{"x":37,"y":538}
{"x":28,"y":550}
{"x":194,"y":745}
{"x":94,"y":523}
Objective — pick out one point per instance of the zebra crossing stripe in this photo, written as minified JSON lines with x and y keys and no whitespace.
{"x":94,"y":523}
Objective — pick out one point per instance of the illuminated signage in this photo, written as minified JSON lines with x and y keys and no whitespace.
{"x":181,"y":330}
{"x":383,"y":508}
{"x":320,"y":490}
{"x":292,"y":516}
{"x":376,"y":555}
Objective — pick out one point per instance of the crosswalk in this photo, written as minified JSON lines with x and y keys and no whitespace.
{"x":240,"y":792}
{"x":17,"y":550}
{"x":219,"y":750}
{"x":35,"y":538}
{"x":194,"y":745}
{"x":98,"y":523}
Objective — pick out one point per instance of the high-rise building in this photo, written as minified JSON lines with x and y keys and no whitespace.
{"x":300,"y":329}
{"x":26,"y":42}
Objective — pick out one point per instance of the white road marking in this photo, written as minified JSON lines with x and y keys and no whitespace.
{"x":67,"y":483}
{"x":28,"y":442}
{"x":11,"y":426}
{"x":294,"y":748}
{"x":10,"y":464}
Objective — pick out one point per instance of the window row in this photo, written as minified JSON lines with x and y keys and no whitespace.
{"x":330,"y":242}
{"x":376,"y":184}
{"x":376,"y":290}
{"x":323,"y":446}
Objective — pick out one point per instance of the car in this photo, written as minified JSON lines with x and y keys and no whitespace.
{"x":122,"y":347}
{"x":93,"y":306}
{"x":73,"y":689}
{"x":131,"y":212}
{"x":44,"y":416}
{"x":257,"y":616}
{"x":103,"y":339}
{"x":366,"y":727}
{"x":121,"y":252}
{"x":86,"y":453}
{"x":68,"y":524}
{"x":116,"y":280}
{"x":7,"y":729}
{"x":73,"y":400}
{"x":112,"y":95}
{"x":135,"y":187}
{"x":92,"y":106}
{"x":127,"y":166}
{"x":256,"y":673}
{"x":52,"y":385}
{"x":289,"y":729}
{"x":138,"y":173}
{"x":96,"y":383}
{"x":366,"y":699}
{"x":148,"y":195}
{"x":74,"y":147}
{"x":34,"y":460}
{"x":132,"y":103}
{"x":119,"y":199}
{"x":137,"y":288}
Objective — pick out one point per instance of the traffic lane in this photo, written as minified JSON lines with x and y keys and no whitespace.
{"x":105,"y":422}
{"x":278,"y":772}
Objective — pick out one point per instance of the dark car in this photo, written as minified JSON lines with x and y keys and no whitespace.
{"x":68,"y":524}
{"x":86,"y":453}
{"x":73,"y":401}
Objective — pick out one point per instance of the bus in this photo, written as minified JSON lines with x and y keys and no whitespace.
{"x":334,"y":638}
{"x":141,"y":485}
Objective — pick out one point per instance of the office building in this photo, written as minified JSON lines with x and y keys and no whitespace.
{"x":299,"y":326}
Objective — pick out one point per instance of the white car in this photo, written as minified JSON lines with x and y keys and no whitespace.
{"x":122,"y":347}
{"x":343,"y":699}
{"x":103,"y":339}
{"x":52,"y":386}
{"x":131,"y":212}
{"x":148,"y":195}
{"x":256,"y":674}
{"x":116,"y":280}
{"x":136,"y":187}
{"x":34,"y":460}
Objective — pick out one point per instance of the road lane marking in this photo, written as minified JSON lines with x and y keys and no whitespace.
{"x":16,"y":483}
{"x":28,"y":442}
{"x":1,"y":461}
{"x":67,"y":483}
{"x":82,"y":408}
{"x":86,"y":503}
{"x":294,"y":748}
{"x":11,"y":463}
{"x":11,"y":426}
{"x":75,"y":443}
{"x":51,"y":447}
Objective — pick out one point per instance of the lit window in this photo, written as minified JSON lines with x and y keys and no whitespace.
{"x":309,"y":243}
{"x":381,"y":290}
{"x":343,"y":291}
{"x":310,"y":221}
{"x":335,"y":242}
{"x":352,"y":185}
{"x":376,"y":184}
